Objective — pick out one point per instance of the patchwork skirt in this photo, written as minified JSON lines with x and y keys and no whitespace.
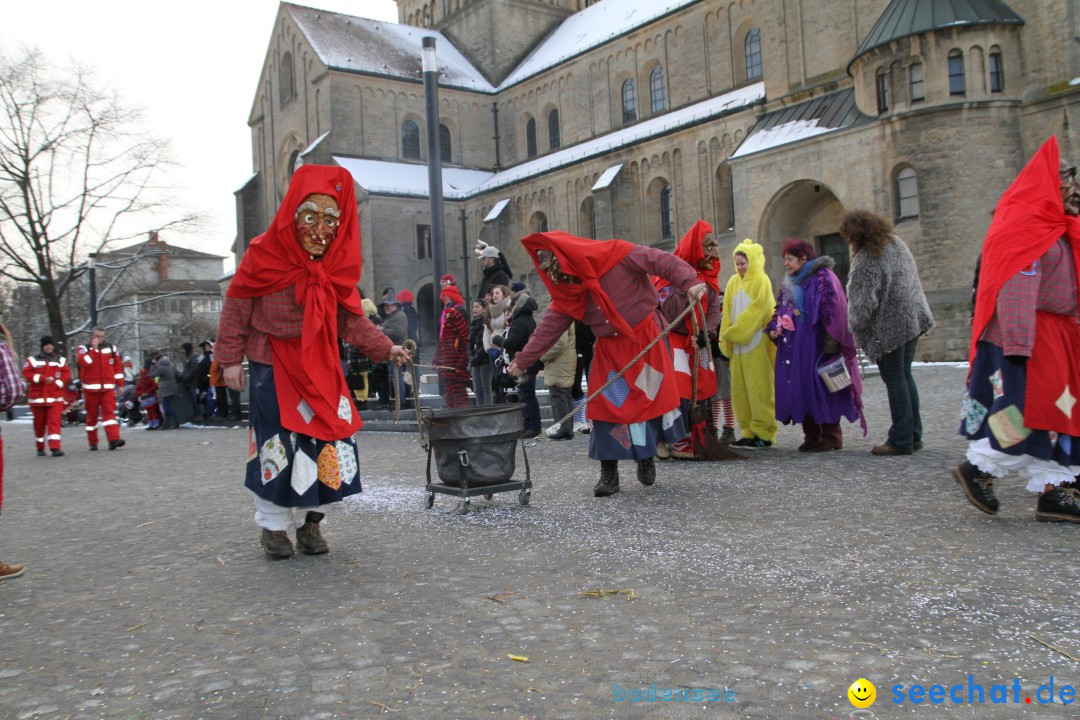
{"x":290,"y":469}
{"x":994,"y":410}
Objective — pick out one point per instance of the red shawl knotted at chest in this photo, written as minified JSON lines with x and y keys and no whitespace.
{"x":1028,"y":220}
{"x":310,"y":384}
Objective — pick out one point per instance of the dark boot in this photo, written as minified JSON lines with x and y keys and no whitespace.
{"x":727,"y":437}
{"x":646,"y":471}
{"x":609,"y":479}
{"x":308,"y":538}
{"x":978,"y":487}
{"x":276,"y":544}
{"x":56,"y":452}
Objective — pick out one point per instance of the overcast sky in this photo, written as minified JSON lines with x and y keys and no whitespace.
{"x":193,"y":66}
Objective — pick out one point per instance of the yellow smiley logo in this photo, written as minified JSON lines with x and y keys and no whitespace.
{"x":862,"y":693}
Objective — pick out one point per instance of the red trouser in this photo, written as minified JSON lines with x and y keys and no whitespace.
{"x":106,"y":400}
{"x":47,"y":425}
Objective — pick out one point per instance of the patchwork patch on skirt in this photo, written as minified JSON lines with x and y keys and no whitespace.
{"x":305,"y":472}
{"x":273,"y":459}
{"x":997,"y":384}
{"x":1008,"y":426}
{"x":346,"y":456}
{"x":649,"y":381}
{"x":617,"y":393}
{"x":329,"y":470}
{"x":974,"y":412}
{"x":344,"y":409}
{"x":621,"y":435}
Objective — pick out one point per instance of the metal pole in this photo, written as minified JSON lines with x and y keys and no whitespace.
{"x":465,"y":260}
{"x":92,"y":271}
{"x":431,"y":106}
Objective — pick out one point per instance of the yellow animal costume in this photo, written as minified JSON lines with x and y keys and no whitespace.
{"x":748,"y":307}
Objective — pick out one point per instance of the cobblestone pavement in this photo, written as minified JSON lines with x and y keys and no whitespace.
{"x":783,"y":578}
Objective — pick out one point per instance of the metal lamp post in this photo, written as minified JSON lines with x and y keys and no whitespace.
{"x":431,"y":106}
{"x":92,"y":272}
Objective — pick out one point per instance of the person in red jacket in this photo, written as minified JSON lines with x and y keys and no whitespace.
{"x":101,"y":371}
{"x":47,"y":374}
{"x":452,"y":356}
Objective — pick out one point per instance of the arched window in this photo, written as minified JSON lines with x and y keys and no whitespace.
{"x":444,"y":143}
{"x":997,"y":72}
{"x":657,"y":93}
{"x":286,"y":79}
{"x":530,"y":138}
{"x":554,"y":139}
{"x":752,"y":51}
{"x":410,"y":140}
{"x":957,"y":83}
{"x":629,"y":101}
{"x":295,"y":161}
{"x":882,"y":90}
{"x":916,"y":82}
{"x":538,"y":222}
{"x":667,"y":213}
{"x":907,"y":194}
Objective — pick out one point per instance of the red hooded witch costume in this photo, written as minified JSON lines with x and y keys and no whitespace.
{"x":683,"y":344}
{"x":313,"y":398}
{"x":1029,"y":219}
{"x":645,"y":391}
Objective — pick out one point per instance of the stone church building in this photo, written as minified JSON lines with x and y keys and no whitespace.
{"x":635,"y":118}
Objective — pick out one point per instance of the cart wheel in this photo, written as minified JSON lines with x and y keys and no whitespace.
{"x":429,"y":501}
{"x":523,"y":496}
{"x":488,"y":496}
{"x":463,"y":506}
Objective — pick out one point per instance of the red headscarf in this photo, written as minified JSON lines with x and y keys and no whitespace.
{"x":1028,"y":220}
{"x":587,"y":259}
{"x":275,"y":261}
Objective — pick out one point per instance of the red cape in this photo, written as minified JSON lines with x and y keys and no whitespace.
{"x":587,"y":259}
{"x":1028,"y":220}
{"x":275,"y":261}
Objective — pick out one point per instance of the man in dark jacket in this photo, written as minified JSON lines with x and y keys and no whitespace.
{"x":496,"y":269}
{"x":518,"y":331}
{"x":396,"y":327}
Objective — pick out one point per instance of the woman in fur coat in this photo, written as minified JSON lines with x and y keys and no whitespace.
{"x":888,"y":313}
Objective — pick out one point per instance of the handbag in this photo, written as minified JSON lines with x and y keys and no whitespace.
{"x":834,"y":374}
{"x":147,"y":401}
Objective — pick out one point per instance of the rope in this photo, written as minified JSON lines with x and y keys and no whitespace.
{"x":644,"y":351}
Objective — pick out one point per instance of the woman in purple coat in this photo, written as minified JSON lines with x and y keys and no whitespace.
{"x":809,"y":328}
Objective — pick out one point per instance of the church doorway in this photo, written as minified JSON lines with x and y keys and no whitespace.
{"x":425,"y":308}
{"x":809,"y":209}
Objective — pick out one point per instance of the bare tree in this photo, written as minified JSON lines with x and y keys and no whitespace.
{"x":77,"y":173}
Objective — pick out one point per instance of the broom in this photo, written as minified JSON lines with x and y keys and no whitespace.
{"x":703,"y":437}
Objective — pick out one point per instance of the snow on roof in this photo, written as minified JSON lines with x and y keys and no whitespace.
{"x":816,"y":116}
{"x":363,"y":45}
{"x":689,"y":115}
{"x":593,"y":26}
{"x":315,"y":144}
{"x":398,"y":178}
{"x":497,"y":210}
{"x":607,"y":177}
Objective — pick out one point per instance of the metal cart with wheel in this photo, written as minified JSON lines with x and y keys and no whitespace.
{"x":475,"y":451}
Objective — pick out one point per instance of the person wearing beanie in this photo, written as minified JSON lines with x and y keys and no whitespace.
{"x":47,"y":374}
{"x":518,"y":287}
{"x":496,"y":269}
{"x":101,"y":372}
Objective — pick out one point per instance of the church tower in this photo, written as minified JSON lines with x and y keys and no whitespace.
{"x":495,"y":35}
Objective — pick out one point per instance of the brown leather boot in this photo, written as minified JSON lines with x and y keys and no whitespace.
{"x":276,"y":543}
{"x":308,"y":538}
